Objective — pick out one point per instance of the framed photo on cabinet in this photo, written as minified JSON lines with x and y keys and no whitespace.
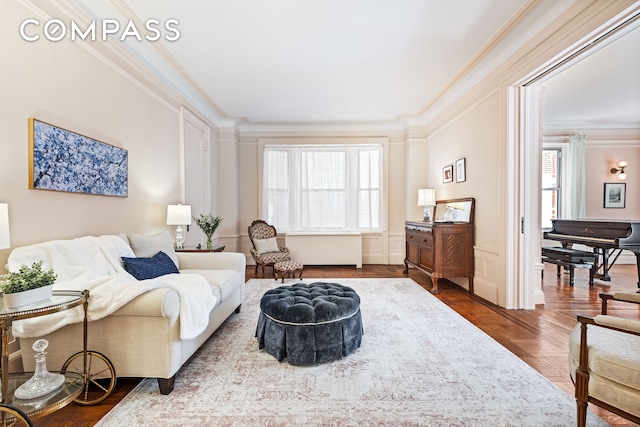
{"x":615,"y":194}
{"x":447,"y":174}
{"x":461,"y":170}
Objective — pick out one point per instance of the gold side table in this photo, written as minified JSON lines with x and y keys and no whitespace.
{"x":74,"y":382}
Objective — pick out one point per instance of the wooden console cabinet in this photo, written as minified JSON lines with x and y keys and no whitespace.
{"x":441,"y":249}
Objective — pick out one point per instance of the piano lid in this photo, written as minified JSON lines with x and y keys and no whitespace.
{"x":605,"y":229}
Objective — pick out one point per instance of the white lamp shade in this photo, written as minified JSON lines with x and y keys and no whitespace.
{"x":426,"y":197}
{"x":178,"y":215}
{"x":4,"y":226}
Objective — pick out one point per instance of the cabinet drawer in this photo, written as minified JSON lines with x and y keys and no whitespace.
{"x":420,"y":237}
{"x":425,"y":239}
{"x":413,"y":236}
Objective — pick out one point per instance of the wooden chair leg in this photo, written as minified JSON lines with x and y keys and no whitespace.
{"x":256,"y":272}
{"x":582,"y":379}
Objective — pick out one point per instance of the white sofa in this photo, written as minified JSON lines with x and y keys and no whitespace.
{"x":142,"y":338}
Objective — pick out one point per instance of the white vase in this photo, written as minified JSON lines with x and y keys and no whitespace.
{"x":31,"y":296}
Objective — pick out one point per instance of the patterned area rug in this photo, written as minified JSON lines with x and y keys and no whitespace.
{"x":420,"y":364}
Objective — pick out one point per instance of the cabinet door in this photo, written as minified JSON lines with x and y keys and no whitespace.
{"x":412,"y":250}
{"x":426,"y":250}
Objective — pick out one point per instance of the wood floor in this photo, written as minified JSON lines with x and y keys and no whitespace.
{"x":539,"y":337}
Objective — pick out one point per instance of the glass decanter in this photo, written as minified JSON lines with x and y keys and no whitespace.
{"x":42,"y":381}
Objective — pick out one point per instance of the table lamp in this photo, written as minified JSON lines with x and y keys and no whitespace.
{"x":426,"y":198}
{"x":4,"y":226}
{"x":179,"y":215}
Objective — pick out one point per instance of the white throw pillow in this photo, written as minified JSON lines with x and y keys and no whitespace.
{"x":266,"y":245}
{"x":148,"y":246}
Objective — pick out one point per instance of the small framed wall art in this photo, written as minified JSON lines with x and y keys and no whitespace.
{"x":461,"y":170}
{"x":62,"y":160}
{"x":447,"y":174}
{"x":615,"y":194}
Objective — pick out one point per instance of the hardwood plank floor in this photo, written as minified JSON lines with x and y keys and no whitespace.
{"x":539,"y":337}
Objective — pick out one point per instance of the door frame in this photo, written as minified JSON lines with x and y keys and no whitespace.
{"x":524,"y":148}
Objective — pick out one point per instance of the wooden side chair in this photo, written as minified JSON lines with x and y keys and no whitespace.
{"x":266,"y":251}
{"x":604,"y":361}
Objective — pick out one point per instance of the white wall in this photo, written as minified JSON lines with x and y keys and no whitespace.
{"x":600,"y":156}
{"x":66,"y":84}
{"x":473,"y":135}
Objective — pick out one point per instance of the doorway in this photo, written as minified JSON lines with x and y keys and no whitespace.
{"x":524,"y":282}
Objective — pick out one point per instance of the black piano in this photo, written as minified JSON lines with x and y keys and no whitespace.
{"x":607,"y":238}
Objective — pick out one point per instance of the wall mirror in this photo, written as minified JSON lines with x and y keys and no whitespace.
{"x":455,"y":210}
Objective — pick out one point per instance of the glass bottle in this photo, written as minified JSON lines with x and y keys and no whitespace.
{"x":42,"y":382}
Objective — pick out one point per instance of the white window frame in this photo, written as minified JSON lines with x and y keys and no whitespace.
{"x":563,"y":146}
{"x":383,"y":141}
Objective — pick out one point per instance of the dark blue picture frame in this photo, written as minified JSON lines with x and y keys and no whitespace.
{"x":61,"y":160}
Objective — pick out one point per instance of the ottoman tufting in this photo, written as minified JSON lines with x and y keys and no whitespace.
{"x":309,"y":324}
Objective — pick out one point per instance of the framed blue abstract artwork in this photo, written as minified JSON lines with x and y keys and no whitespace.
{"x":62,"y":160}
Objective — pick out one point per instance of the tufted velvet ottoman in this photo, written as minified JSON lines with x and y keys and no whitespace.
{"x":311,"y":323}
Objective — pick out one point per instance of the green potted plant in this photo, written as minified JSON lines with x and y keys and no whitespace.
{"x":28,"y":285}
{"x":208,"y":224}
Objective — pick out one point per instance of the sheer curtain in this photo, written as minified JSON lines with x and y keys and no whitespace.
{"x":322,"y":187}
{"x":577,"y":197}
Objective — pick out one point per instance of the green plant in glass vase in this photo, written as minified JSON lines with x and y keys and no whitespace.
{"x":208,"y":224}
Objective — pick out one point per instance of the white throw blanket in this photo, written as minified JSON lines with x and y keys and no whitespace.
{"x":94,"y":263}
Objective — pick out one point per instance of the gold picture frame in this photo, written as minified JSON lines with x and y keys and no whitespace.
{"x":62,"y":160}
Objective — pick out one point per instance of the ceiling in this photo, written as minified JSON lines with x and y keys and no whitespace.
{"x":339,"y":61}
{"x":600,"y":91}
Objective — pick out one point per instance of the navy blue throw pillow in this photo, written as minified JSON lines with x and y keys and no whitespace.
{"x":148,"y":268}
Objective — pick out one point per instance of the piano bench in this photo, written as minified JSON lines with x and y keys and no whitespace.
{"x":571,"y":259}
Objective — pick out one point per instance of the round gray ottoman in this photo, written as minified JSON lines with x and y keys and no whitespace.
{"x":311,"y":323}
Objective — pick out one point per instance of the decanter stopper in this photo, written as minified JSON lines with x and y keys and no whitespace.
{"x":43,"y":381}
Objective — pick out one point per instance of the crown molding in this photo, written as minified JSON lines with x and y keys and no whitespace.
{"x":123,"y":61}
{"x":609,"y":136}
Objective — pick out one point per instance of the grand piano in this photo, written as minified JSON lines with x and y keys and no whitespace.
{"x":607,"y":238}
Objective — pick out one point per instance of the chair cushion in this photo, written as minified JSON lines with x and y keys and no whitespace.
{"x":612,"y":355}
{"x":273,"y":257}
{"x":149,"y":268}
{"x":266,"y":245}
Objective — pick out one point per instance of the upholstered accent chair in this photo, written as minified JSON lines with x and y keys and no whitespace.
{"x":604,"y":361}
{"x":266,"y":251}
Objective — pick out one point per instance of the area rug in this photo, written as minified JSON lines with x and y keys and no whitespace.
{"x":420,"y":364}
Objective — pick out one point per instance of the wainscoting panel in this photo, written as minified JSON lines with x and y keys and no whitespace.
{"x":373,"y":249}
{"x":396,"y":249}
{"x":485,"y":277}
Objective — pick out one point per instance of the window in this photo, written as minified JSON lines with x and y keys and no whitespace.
{"x":323,"y":187}
{"x":551,"y":186}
